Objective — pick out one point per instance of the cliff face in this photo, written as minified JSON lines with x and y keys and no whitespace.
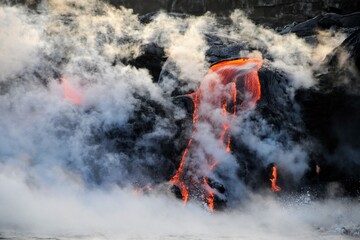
{"x":269,"y":12}
{"x":273,"y":12}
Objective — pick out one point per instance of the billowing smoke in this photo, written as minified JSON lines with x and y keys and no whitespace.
{"x":20,"y":39}
{"x":91,"y":136}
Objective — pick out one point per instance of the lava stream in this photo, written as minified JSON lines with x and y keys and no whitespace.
{"x":211,"y":195}
{"x":219,"y":89}
{"x":274,"y":187}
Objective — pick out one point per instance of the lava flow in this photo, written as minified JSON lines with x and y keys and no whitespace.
{"x":229,"y":85}
{"x":274,"y":187}
{"x":70,"y":93}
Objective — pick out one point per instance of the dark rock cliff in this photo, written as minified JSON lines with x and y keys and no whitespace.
{"x":272,"y":12}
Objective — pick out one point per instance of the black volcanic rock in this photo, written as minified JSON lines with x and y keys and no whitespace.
{"x":269,"y":12}
{"x":324,"y":21}
{"x":196,"y":7}
{"x":152,"y":57}
{"x":331,"y":112}
{"x":219,"y":52}
{"x":31,"y":4}
{"x":276,"y":109}
{"x":351,"y":46}
{"x":141,"y":6}
{"x":128,"y":140}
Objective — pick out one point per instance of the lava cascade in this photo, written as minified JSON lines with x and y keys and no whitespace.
{"x":219,"y":90}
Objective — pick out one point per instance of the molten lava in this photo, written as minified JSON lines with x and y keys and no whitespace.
{"x":219,"y":89}
{"x":274,"y":187}
{"x":211,"y":195}
{"x":177,"y":178}
{"x":70,"y":93}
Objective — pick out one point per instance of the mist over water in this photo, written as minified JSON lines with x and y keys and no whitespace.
{"x":66,"y":173}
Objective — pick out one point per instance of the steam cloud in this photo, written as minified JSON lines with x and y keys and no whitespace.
{"x":65,"y":171}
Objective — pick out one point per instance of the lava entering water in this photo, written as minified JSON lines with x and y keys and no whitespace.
{"x":226,"y":84}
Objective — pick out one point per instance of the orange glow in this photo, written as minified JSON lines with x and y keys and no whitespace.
{"x":274,"y":187}
{"x":218,"y":90}
{"x":213,"y":165}
{"x":177,"y":177}
{"x":228,"y":148}
{"x":318,"y":169}
{"x":235,"y":95}
{"x":210,"y":197}
{"x":225,"y":129}
{"x":70,"y":93}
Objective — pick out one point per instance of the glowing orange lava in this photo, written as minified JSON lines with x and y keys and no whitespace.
{"x":211,"y":195}
{"x":177,"y":178}
{"x":70,"y":92}
{"x":219,"y":89}
{"x":274,"y":187}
